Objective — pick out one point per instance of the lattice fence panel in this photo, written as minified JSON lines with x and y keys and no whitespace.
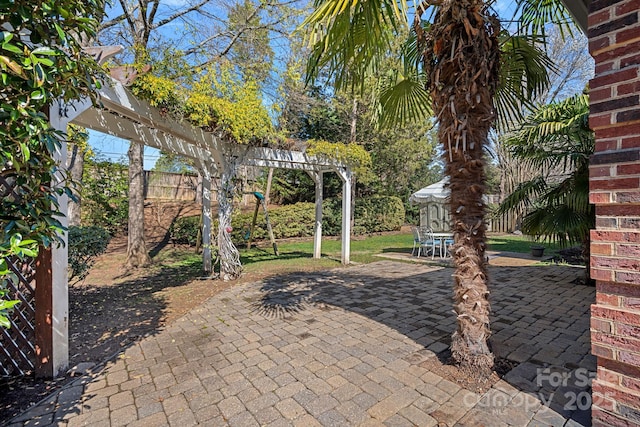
{"x":17,"y":352}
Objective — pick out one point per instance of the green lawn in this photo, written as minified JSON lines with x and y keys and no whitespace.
{"x":362,"y":251}
{"x":514,"y":243}
{"x":297,"y":256}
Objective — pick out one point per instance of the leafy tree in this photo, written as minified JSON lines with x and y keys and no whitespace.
{"x":462,"y":67}
{"x":556,"y":141}
{"x":40,"y":61}
{"x":105,"y":195}
{"x":402,"y":156}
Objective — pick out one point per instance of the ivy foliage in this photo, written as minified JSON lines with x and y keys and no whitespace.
{"x":40,"y":61}
{"x":216,"y":99}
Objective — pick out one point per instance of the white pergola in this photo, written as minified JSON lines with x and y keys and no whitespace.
{"x":123,"y":115}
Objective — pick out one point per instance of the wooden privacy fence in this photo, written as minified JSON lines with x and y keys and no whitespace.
{"x":172,"y":186}
{"x":507,"y":223}
{"x":186,"y":186}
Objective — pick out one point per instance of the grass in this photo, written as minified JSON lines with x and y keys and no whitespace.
{"x":297,"y":256}
{"x":514,"y":243}
{"x":363,"y":250}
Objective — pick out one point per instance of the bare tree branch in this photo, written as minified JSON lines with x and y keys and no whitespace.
{"x":128,"y":15}
{"x":154,"y":10}
{"x":179,"y":14}
{"x":239,"y":33}
{"x":112,"y":22}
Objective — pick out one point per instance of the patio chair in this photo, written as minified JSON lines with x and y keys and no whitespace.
{"x":417,"y":241}
{"x":430,"y":243}
{"x":446,"y":248}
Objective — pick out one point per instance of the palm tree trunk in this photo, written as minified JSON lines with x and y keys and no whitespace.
{"x":462,"y":59}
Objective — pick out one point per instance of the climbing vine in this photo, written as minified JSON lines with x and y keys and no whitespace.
{"x":40,"y":61}
{"x":215,"y":100}
{"x":353,"y":155}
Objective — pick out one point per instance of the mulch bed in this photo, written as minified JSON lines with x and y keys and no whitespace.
{"x":444,"y":367}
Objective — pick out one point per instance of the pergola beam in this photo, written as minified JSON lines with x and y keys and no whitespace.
{"x":115,"y":98}
{"x":116,"y":125}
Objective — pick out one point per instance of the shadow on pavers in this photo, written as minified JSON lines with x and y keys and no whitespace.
{"x":540,"y":321}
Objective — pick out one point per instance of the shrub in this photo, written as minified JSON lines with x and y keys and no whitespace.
{"x":373,"y":214}
{"x":379,"y":213}
{"x":185,"y":230}
{"x":287,"y":221}
{"x":85,"y":245}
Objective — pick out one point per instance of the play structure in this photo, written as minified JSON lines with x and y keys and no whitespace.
{"x":260,"y":200}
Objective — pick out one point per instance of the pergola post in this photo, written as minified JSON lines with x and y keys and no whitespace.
{"x":317,"y":177}
{"x":206,"y":217}
{"x":52,"y":287}
{"x":346,"y":176}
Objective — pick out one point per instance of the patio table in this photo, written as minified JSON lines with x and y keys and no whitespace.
{"x":443,"y":237}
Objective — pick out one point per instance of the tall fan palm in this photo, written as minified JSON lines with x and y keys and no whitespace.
{"x":453,"y":67}
{"x":556,"y":140}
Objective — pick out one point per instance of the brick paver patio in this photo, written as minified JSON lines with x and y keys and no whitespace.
{"x":346,"y":347}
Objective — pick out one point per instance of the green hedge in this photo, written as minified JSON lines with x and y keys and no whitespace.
{"x":372,"y":214}
{"x":378,"y":213}
{"x":184,"y":230}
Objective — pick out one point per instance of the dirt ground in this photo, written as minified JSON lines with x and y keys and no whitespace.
{"x":112,"y":308}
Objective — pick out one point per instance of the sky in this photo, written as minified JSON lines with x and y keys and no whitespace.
{"x":115,"y":149}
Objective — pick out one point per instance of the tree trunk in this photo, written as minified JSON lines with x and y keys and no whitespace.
{"x":75,"y":166}
{"x":137,"y":255}
{"x":230,"y":266}
{"x":462,"y":60}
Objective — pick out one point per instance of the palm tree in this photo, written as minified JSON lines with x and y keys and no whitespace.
{"x":453,"y":67}
{"x":556,"y":140}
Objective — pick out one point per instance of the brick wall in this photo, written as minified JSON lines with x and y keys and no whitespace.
{"x":614,"y":42}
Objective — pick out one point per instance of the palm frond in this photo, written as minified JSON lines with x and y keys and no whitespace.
{"x":524,"y":195}
{"x":535,"y":15}
{"x":405,"y":100}
{"x":555,"y":135}
{"x":523,"y":75}
{"x":350,"y":37}
{"x":557,"y":223}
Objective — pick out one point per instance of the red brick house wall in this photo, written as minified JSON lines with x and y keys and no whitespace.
{"x":614,"y":42}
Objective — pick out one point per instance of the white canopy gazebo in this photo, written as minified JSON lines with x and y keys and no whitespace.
{"x":434,"y":212}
